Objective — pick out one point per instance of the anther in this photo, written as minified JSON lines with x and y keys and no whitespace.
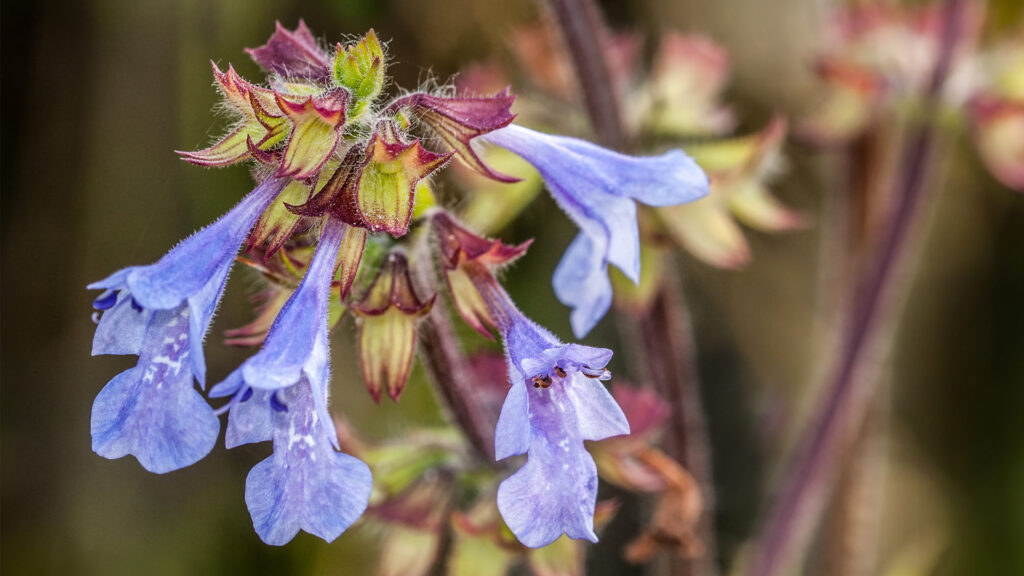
{"x":539,"y":382}
{"x":599,"y":373}
{"x":561,"y":373}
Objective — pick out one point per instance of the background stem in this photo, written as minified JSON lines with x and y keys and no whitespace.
{"x":800,"y":501}
{"x":584,"y":33}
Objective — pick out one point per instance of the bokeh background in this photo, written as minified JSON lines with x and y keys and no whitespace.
{"x":97,"y":95}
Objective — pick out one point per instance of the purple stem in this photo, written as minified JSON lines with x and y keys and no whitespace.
{"x":667,"y":338}
{"x":796,"y":510}
{"x":453,"y":378}
{"x":447,"y":366}
{"x":583,"y":31}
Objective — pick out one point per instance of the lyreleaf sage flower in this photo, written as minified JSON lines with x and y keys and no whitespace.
{"x":281,"y":394}
{"x":556,"y":400}
{"x":161,"y":312}
{"x":598,"y":188}
{"x":556,"y":397}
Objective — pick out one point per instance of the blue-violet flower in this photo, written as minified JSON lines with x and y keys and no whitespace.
{"x":556,"y":401}
{"x":597,"y":187}
{"x":161,"y":313}
{"x":281,"y":394}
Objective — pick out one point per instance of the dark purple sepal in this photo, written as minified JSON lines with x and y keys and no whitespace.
{"x":457,"y":121}
{"x":293,"y":54}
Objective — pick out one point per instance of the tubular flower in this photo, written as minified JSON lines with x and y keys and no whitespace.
{"x":161,"y":312}
{"x":281,"y":394}
{"x":556,"y":400}
{"x":598,"y":188}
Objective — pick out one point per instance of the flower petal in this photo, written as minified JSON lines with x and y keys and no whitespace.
{"x":581,"y":282}
{"x":294,"y":335}
{"x":203,"y":258}
{"x":596,"y":187}
{"x":512,"y":436}
{"x":555,"y":492}
{"x":305,"y":484}
{"x":153,"y":411}
{"x":576,"y":167}
{"x":122,"y":328}
{"x":250,"y":420}
{"x":598,"y":414}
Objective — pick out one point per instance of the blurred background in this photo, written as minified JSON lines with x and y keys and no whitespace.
{"x":98,"y":94}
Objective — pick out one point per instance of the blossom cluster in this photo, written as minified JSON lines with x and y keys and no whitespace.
{"x":343,"y":190}
{"x":879,"y":60}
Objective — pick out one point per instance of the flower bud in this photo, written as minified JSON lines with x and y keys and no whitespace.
{"x":387,"y":328}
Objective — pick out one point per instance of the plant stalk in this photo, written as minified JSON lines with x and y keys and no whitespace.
{"x":584,"y":33}
{"x":800,"y":501}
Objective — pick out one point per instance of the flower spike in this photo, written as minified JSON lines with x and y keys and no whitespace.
{"x":387,"y":327}
{"x":597,"y":188}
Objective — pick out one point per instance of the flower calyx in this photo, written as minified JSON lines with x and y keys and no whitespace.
{"x":360,"y":69}
{"x":375,"y":187}
{"x":468,"y":262}
{"x":387,"y":316}
{"x":458,"y":120}
{"x":317,"y":125}
{"x":292,"y":54}
{"x":261,"y":122}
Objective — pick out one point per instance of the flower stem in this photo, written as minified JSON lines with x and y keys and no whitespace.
{"x":583,"y":31}
{"x":669,"y":343}
{"x":449,"y":369}
{"x":842,"y":411}
{"x":452,"y":377}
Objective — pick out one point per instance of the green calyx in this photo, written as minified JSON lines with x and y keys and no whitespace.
{"x":360,"y":69}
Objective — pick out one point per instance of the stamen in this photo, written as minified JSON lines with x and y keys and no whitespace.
{"x":539,"y":382}
{"x":561,"y":373}
{"x":599,"y":373}
{"x":276,"y":403}
{"x":235,"y":399}
{"x":105,"y":301}
{"x":136,"y":305}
